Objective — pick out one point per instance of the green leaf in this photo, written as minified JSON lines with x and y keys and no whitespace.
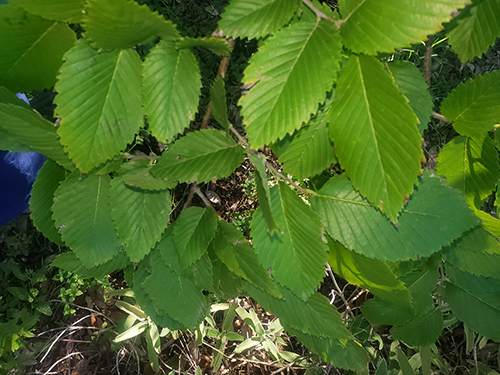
{"x":145,"y":302}
{"x":131,"y":310}
{"x":219,"y":105}
{"x":122,"y":24}
{"x":140,"y":217}
{"x":136,"y":173}
{"x":201,"y":155}
{"x":476,"y":30}
{"x":367,"y":273}
{"x":57,"y":10}
{"x":171,"y":89}
{"x":292,"y":73}
{"x":476,"y":252}
{"x":153,"y":346}
{"x":375,"y":134}
{"x":412,"y":84}
{"x":100,"y":117}
{"x":256,"y":18}
{"x":263,"y":192}
{"x":420,"y":283}
{"x":372,"y":26}
{"x":193,"y":231}
{"x":473,"y":106}
{"x":438,"y":211}
{"x":308,"y":151}
{"x":314,"y":316}
{"x":175,"y":295}
{"x":475,"y":300}
{"x":31,"y":129}
{"x":470,"y":165}
{"x":217,"y":45}
{"x":24,"y":39}
{"x":81,"y":212}
{"x":132,"y":332}
{"x":345,"y":354}
{"x":42,"y":198}
{"x":69,"y":262}
{"x":296,"y":254}
{"x":237,"y":254}
{"x":422,"y":330}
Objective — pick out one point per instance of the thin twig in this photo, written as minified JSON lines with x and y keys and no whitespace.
{"x":268,"y":164}
{"x":440,"y":117}
{"x":59,"y":361}
{"x":320,"y":14}
{"x":428,"y":60}
{"x":189,"y":199}
{"x":221,"y":72}
{"x":202,"y":195}
{"x":148,"y":157}
{"x":348,"y":308}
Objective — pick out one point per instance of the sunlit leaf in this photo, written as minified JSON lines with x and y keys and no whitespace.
{"x":121,"y":24}
{"x":256,"y":18}
{"x":99,"y":103}
{"x":296,"y":254}
{"x":375,"y":134}
{"x":57,"y":10}
{"x":170,"y":89}
{"x":292,"y":72}
{"x":25,"y":39}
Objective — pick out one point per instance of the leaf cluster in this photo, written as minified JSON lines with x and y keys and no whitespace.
{"x":318,"y":92}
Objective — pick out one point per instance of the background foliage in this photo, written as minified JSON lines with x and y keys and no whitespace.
{"x":134,"y":94}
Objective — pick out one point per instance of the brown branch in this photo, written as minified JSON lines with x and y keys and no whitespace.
{"x":148,"y":157}
{"x":320,"y":14}
{"x":224,"y":63}
{"x":428,"y":60}
{"x":440,"y":117}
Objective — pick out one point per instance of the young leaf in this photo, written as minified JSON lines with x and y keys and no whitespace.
{"x":219,"y":105}
{"x":367,"y":273}
{"x":57,"y":10}
{"x":296,"y":254}
{"x":194,"y":230}
{"x":201,"y":155}
{"x":33,"y":130}
{"x":122,"y":24}
{"x":140,"y":217}
{"x":24,"y":39}
{"x":170,"y":89}
{"x":292,"y":73}
{"x":475,"y":300}
{"x":372,"y":26}
{"x":263,"y":192}
{"x":309,"y":150}
{"x":217,"y":45}
{"x":439,"y":212}
{"x":132,"y":332}
{"x":256,"y":18}
{"x":412,"y":84}
{"x":175,"y":295}
{"x":470,"y":164}
{"x":131,"y":310}
{"x":102,"y":115}
{"x":375,"y":134}
{"x":42,"y":198}
{"x":476,"y":29}
{"x":473,"y":106}
{"x":236,"y":253}
{"x":81,"y":212}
